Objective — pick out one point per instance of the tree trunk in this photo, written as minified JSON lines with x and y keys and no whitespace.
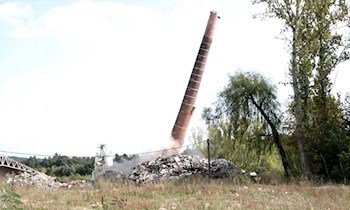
{"x":325,"y":165}
{"x":276,"y":138}
{"x":297,"y":109}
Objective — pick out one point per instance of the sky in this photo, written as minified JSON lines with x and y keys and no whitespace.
{"x":76,"y":74}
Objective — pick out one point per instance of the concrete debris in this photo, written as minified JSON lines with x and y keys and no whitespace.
{"x":253,"y":174}
{"x":154,"y":171}
{"x":77,"y":184}
{"x":41,"y":180}
{"x":178,"y":166}
{"x":36,"y":179}
{"x":114,"y":176}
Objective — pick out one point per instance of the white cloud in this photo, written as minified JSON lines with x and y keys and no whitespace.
{"x":11,"y":13}
{"x":82,"y":20}
{"x":10,"y":10}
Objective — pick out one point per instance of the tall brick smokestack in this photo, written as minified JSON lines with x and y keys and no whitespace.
{"x":187,"y":107}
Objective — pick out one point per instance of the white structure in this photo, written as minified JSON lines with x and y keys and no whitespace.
{"x":103,"y":162}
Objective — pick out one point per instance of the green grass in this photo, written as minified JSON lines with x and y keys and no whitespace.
{"x":73,"y":177}
{"x":189,"y":194}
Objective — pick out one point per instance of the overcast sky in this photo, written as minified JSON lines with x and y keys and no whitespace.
{"x":76,"y":74}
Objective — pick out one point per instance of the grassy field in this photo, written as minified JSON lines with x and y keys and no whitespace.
{"x":197,"y":194}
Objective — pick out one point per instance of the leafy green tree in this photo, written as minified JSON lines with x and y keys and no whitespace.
{"x":251,"y":151}
{"x":330,"y":145}
{"x":347,"y":114}
{"x":62,"y":165}
{"x":247,"y":108}
{"x":316,"y":49}
{"x":344,"y":156}
{"x":32,"y":162}
{"x":322,"y":111}
{"x":290,"y":12}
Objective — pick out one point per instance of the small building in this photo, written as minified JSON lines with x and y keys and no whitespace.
{"x":9,"y":166}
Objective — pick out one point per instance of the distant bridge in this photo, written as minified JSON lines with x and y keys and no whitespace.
{"x":12,"y":164}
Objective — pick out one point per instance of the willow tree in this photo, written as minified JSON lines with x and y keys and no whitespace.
{"x":249,"y":104}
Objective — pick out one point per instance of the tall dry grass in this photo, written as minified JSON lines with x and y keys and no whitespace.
{"x":189,"y":194}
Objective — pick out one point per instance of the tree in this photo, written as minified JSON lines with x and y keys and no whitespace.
{"x":249,"y":105}
{"x":315,"y":51}
{"x":326,"y":115}
{"x":344,"y":156}
{"x":32,"y":162}
{"x":62,"y":165}
{"x":289,"y":12}
{"x":347,"y":114}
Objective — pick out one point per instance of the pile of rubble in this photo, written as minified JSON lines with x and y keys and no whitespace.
{"x":36,"y":179}
{"x":153,"y":171}
{"x":41,"y":180}
{"x":114,"y":176}
{"x":178,"y":166}
{"x":77,"y":184}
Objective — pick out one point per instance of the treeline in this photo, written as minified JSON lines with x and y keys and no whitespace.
{"x":64,"y":166}
{"x":61,"y":166}
{"x":311,"y":138}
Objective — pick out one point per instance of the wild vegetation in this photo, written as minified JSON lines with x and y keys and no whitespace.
{"x":312,"y":139}
{"x":191,"y":194}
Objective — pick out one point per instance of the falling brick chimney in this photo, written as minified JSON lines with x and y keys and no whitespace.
{"x":187,"y":106}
